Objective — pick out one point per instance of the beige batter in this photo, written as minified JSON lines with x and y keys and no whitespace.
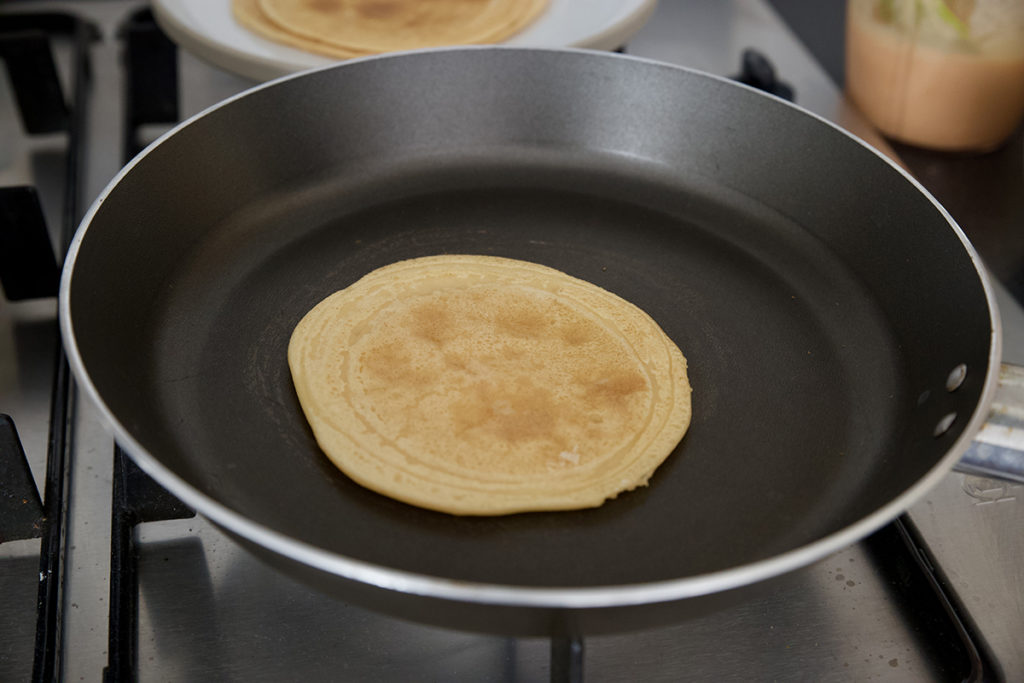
{"x":480,"y":385}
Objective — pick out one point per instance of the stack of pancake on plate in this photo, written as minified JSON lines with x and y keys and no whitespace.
{"x":353,"y":28}
{"x":478,"y":385}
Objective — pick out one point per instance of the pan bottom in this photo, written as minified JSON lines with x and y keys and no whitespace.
{"x":797,"y":384}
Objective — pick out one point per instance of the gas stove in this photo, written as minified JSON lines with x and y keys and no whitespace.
{"x":109,"y":578}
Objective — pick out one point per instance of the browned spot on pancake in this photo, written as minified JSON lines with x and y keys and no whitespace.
{"x":530,"y":413}
{"x":457,"y":361}
{"x":432,"y":321}
{"x":612,"y":387}
{"x":520,"y":319}
{"x":391,"y":364}
{"x":513,"y":413}
{"x":470,"y":412}
{"x":512,"y":353}
{"x":323,"y":6}
{"x":579,"y":333}
{"x":381,"y":9}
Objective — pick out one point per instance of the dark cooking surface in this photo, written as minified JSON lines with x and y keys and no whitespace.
{"x":238,"y":396}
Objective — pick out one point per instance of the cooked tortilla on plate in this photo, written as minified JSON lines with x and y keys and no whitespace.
{"x":249,"y":15}
{"x":347,"y":28}
{"x":479,"y":385}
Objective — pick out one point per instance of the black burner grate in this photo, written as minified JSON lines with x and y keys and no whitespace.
{"x":27,"y":52}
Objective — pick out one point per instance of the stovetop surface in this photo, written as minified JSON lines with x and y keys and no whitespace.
{"x":208,"y":610}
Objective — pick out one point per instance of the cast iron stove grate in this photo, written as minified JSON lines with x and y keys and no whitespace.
{"x":29,"y":271}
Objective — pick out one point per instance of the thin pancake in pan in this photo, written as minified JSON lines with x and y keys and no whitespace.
{"x":480,"y":385}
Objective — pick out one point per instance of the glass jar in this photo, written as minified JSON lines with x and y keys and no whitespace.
{"x":942,"y":74}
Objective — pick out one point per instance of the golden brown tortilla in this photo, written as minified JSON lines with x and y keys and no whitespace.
{"x":248,"y":14}
{"x":479,"y":385}
{"x":344,"y":28}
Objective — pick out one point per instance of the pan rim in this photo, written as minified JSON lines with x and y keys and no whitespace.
{"x":549,"y":597}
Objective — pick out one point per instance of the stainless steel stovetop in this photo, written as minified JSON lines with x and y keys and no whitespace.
{"x":209,"y":611}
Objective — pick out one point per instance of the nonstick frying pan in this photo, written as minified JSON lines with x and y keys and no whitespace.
{"x":833,"y":315}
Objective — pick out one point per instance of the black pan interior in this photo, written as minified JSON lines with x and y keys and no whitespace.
{"x":817,"y":380}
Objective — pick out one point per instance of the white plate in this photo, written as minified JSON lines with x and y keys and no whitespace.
{"x":207,"y":29}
